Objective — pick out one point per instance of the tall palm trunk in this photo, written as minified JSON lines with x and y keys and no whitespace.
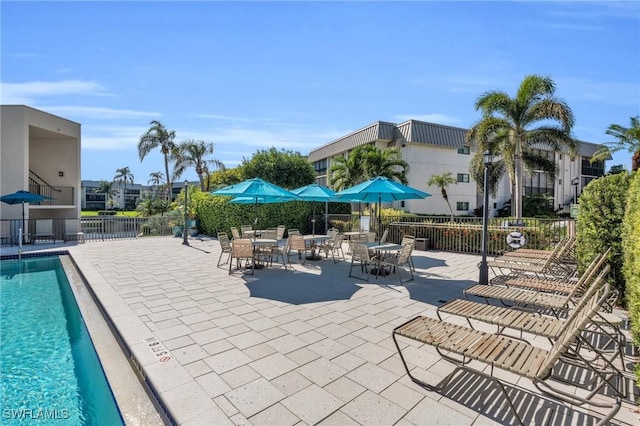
{"x":169,"y":186}
{"x":446,"y":198}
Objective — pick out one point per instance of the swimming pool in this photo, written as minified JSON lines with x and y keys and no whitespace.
{"x":50,"y":372}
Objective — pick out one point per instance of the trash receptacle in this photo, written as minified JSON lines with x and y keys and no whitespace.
{"x":422,"y":243}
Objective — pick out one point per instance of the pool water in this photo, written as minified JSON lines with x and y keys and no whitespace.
{"x":49,"y":370}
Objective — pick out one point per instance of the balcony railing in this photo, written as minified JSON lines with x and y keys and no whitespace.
{"x":61,"y":195}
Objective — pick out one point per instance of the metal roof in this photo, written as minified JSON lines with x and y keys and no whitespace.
{"x":411,"y":131}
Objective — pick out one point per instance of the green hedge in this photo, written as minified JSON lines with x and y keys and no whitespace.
{"x":631,"y":251}
{"x":599,"y":224}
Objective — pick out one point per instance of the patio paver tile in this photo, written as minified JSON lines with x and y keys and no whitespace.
{"x":255,"y":396}
{"x":273,"y":365}
{"x":277,"y":414}
{"x":372,"y":377}
{"x":312,"y":404}
{"x":228,"y":360}
{"x":371,"y":409}
{"x":322,"y":371}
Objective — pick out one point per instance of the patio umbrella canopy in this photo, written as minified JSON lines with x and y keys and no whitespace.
{"x":315,"y":192}
{"x":379,"y":189}
{"x":23,"y":197}
{"x":256,"y":191}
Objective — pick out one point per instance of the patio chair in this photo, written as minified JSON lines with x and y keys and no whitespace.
{"x":371,"y":237}
{"x":73,"y":231}
{"x":280,"y":233}
{"x":296,"y":242}
{"x":235,"y":233}
{"x":5,"y":231}
{"x":293,"y":231}
{"x":409,"y":239}
{"x":332,"y":246}
{"x":360,"y":254}
{"x":280,"y":250}
{"x":246,"y":231}
{"x":385,"y":234}
{"x":270,"y":234}
{"x":397,"y":261}
{"x":332,"y":232}
{"x":242,"y":249}
{"x":460,"y":345}
{"x":225,"y":245}
{"x":44,"y":230}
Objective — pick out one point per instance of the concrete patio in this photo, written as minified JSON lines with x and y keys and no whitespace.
{"x":303,"y":346}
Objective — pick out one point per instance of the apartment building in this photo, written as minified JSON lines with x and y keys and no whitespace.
{"x":432,"y":149}
{"x":123,"y":198}
{"x":40,"y":154}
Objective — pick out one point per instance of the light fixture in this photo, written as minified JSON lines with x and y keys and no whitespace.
{"x":483,"y":277}
{"x":487,"y":158}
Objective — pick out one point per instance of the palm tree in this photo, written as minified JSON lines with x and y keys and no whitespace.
{"x":514,"y":126}
{"x":192,"y":153}
{"x":442,"y":181}
{"x":156,"y":178}
{"x":365,"y":162}
{"x":158,"y":137}
{"x":124,"y":175}
{"x":105,"y":187}
{"x":627,"y":138}
{"x":385,"y":162}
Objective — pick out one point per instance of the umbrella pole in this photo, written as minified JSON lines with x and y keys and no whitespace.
{"x":23,"y":230}
{"x":326,"y":216}
{"x":379,"y":217}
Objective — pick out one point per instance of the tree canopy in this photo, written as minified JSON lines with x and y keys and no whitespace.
{"x":626,"y":138}
{"x":365,"y":162}
{"x":284,"y":168}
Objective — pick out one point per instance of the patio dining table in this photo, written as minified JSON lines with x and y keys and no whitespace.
{"x":312,"y":240}
{"x":384,"y":247}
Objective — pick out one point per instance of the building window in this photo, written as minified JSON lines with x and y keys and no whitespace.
{"x":538,"y":182}
{"x":464,"y":150}
{"x":462,"y":206}
{"x":463,"y":177}
{"x":592,"y":169}
{"x":320,"y":166}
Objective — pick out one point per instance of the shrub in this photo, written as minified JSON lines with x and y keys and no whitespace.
{"x":631,"y":252}
{"x":599,"y":223}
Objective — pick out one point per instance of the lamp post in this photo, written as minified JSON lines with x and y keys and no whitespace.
{"x":186,"y":196}
{"x":575,"y":181}
{"x":487,"y":159}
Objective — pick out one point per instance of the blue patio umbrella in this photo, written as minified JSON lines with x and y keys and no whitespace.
{"x":23,"y":197}
{"x":379,"y":189}
{"x":256,"y":191}
{"x":315,"y":192}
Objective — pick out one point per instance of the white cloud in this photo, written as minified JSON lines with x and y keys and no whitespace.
{"x":100,"y":113}
{"x":27,"y":93}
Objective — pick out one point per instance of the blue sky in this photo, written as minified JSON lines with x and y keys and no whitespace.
{"x":296,"y":75}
